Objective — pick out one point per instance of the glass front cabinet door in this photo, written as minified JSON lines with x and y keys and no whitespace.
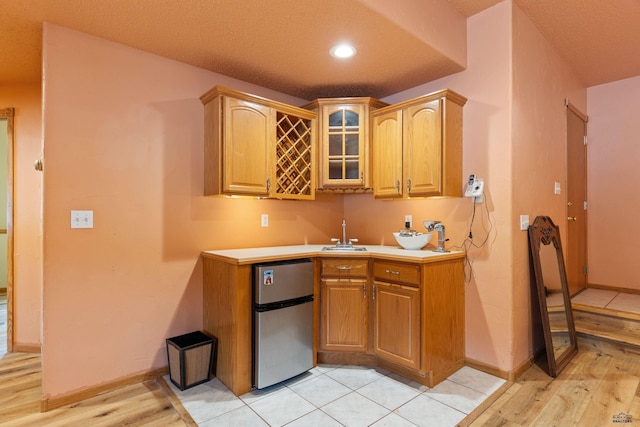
{"x":344,"y":160}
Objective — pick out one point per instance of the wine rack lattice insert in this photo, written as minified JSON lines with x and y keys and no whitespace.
{"x":293,"y":156}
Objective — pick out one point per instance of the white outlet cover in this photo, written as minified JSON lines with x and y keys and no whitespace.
{"x":524,"y":222}
{"x":409,"y":219}
{"x":264,"y":220}
{"x":81,"y":219}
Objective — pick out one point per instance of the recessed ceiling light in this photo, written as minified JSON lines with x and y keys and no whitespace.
{"x":343,"y":50}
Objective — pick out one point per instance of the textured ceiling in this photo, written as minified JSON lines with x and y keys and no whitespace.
{"x":283,"y":44}
{"x":599,"y":39}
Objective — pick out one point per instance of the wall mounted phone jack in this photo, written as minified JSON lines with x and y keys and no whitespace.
{"x":475,"y":189}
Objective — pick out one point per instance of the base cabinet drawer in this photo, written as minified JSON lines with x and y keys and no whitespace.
{"x":345,"y":267}
{"x":397,"y":272}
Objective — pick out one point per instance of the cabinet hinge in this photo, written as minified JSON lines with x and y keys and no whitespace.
{"x":585,"y":140}
{"x":584,"y":206}
{"x":586,"y":270}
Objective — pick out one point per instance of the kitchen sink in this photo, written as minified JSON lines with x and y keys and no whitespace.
{"x":344,"y":248}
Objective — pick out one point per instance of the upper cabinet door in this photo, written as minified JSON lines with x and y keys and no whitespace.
{"x":387,"y":153}
{"x":343,"y":125}
{"x":247,"y":147}
{"x":423,"y":149}
{"x":344,"y":146}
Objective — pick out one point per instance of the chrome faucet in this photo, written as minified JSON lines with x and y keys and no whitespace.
{"x":437,"y":226}
{"x":344,"y":243}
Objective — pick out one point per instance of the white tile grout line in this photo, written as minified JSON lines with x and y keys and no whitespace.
{"x":424,"y":392}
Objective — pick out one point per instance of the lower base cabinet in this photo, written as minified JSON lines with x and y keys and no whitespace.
{"x":397,"y":324}
{"x":414,"y":323}
{"x":407,"y":317}
{"x":344,"y":315}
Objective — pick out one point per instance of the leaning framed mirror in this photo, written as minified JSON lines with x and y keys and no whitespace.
{"x":554,"y":300}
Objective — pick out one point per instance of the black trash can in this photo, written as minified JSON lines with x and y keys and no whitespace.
{"x":191,"y":358}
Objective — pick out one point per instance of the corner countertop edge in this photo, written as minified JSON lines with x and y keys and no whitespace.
{"x":280,"y":253}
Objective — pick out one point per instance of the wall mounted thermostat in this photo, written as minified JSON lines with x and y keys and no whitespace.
{"x":475,"y":188}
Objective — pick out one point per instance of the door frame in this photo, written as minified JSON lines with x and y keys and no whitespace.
{"x":578,"y":222}
{"x":8,"y":115}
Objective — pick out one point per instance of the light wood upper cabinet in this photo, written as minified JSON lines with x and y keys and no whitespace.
{"x":423,"y":149}
{"x":343,"y":126}
{"x":257,"y":147}
{"x":387,"y":153}
{"x":426,"y":133}
{"x":247,"y":144}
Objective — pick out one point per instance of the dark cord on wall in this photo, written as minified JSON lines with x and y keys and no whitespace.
{"x":469,"y":243}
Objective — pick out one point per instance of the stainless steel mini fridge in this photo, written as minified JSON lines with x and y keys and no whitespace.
{"x":283,"y":321}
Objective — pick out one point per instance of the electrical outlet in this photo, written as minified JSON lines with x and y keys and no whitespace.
{"x":524,"y":222}
{"x":264,"y":220}
{"x":81,"y":219}
{"x":409,"y":219}
{"x":556,"y":188}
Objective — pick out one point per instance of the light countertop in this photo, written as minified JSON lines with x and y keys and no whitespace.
{"x":278,"y":253}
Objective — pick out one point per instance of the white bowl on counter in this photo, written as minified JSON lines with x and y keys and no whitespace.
{"x":412,"y":242}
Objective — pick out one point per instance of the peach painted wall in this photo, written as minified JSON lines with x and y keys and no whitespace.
{"x":613,"y":152}
{"x":124,"y":138}
{"x":486,"y":151}
{"x":541,"y":83}
{"x":26,"y":99}
{"x":514,"y":122}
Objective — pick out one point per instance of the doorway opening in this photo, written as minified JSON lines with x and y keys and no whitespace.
{"x":6,"y":230}
{"x":577,"y":269}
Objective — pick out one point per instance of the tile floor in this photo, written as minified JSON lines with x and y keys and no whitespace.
{"x":613,"y":300}
{"x":341,"y":396}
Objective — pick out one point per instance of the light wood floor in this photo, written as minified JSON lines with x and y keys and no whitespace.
{"x":145,"y":404}
{"x":600,"y":383}
{"x":599,"y":387}
{"x":150,"y":403}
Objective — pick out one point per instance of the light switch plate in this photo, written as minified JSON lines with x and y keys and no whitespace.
{"x":556,"y":188}
{"x":264,"y":220}
{"x":524,"y":222}
{"x":81,"y":219}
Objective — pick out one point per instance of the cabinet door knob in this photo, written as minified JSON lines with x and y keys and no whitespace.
{"x":344,"y":267}
{"x":392,"y":272}
{"x":572,"y":218}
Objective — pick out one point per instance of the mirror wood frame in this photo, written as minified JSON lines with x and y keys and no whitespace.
{"x":545,"y":232}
